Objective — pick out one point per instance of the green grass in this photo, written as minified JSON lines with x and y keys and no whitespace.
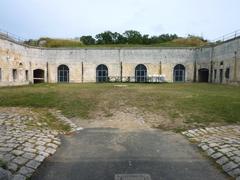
{"x":55,"y":43}
{"x":48,"y":120}
{"x":63,"y":43}
{"x":195,"y":103}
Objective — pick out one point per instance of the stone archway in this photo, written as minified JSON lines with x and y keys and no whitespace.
{"x":38,"y":76}
{"x":203,"y":75}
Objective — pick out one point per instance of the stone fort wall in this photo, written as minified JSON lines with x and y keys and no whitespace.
{"x":18,"y":62}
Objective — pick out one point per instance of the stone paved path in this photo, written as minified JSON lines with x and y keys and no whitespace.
{"x":222,"y":144}
{"x":104,"y":153}
{"x":23,"y":149}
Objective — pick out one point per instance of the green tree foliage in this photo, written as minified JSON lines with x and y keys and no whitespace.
{"x":88,"y":40}
{"x":31,"y":42}
{"x":146,"y":40}
{"x":129,"y":37}
{"x":133,"y":37}
{"x":119,"y":38}
{"x":105,"y":38}
{"x":162,"y":38}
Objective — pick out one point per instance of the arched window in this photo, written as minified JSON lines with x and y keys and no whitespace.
{"x":141,"y":73}
{"x":63,"y":73}
{"x":101,"y":73}
{"x":179,"y":73}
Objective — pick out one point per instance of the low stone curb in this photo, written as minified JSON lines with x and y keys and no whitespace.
{"x":222,"y":144}
{"x":65,"y":120}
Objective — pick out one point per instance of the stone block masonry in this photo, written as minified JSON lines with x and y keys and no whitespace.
{"x":23,"y":65}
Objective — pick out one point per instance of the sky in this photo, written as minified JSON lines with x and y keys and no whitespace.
{"x":31,"y":19}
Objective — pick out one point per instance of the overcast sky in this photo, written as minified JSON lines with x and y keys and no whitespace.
{"x":73,"y":18}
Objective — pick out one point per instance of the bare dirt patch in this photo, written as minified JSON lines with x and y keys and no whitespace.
{"x":129,"y":118}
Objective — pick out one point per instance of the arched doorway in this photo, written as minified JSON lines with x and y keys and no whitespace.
{"x":141,"y":73}
{"x":101,"y":73}
{"x":63,"y":74}
{"x":203,"y":75}
{"x":179,"y":73}
{"x":38,"y":76}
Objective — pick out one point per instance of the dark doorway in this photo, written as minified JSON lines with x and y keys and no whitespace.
{"x":203,"y":75}
{"x":38,"y":76}
{"x":63,"y":74}
{"x":26,"y":75}
{"x":102,"y":73}
{"x":141,"y":73}
{"x":179,"y":73}
{"x":221,"y":76}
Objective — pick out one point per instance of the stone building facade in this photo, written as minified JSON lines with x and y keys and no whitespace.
{"x":21,"y":64}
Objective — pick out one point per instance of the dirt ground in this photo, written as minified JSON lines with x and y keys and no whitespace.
{"x":124,"y":118}
{"x":129,"y":118}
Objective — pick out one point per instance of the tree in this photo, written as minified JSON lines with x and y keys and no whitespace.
{"x":162,"y":38}
{"x":31,"y":42}
{"x":105,"y":38}
{"x":154,"y":39}
{"x":146,"y":39}
{"x":119,"y":38}
{"x":133,"y":37}
{"x":87,"y":40}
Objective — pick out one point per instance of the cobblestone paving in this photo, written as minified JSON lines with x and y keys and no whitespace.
{"x":22,"y":149}
{"x":62,"y":118}
{"x":222,"y":144}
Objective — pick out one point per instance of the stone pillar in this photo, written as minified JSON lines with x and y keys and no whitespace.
{"x":82,"y":72}
{"x":235,"y":67}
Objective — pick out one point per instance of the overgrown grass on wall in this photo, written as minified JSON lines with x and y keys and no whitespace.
{"x":58,"y":43}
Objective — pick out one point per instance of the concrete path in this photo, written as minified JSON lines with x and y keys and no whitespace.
{"x":103,"y":154}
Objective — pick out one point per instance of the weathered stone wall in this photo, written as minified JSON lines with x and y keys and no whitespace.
{"x":13,"y":56}
{"x":220,"y":58}
{"x":82,"y":63}
{"x":227,"y":55}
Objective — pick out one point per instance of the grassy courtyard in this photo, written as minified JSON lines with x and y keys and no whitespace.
{"x":201,"y":104}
